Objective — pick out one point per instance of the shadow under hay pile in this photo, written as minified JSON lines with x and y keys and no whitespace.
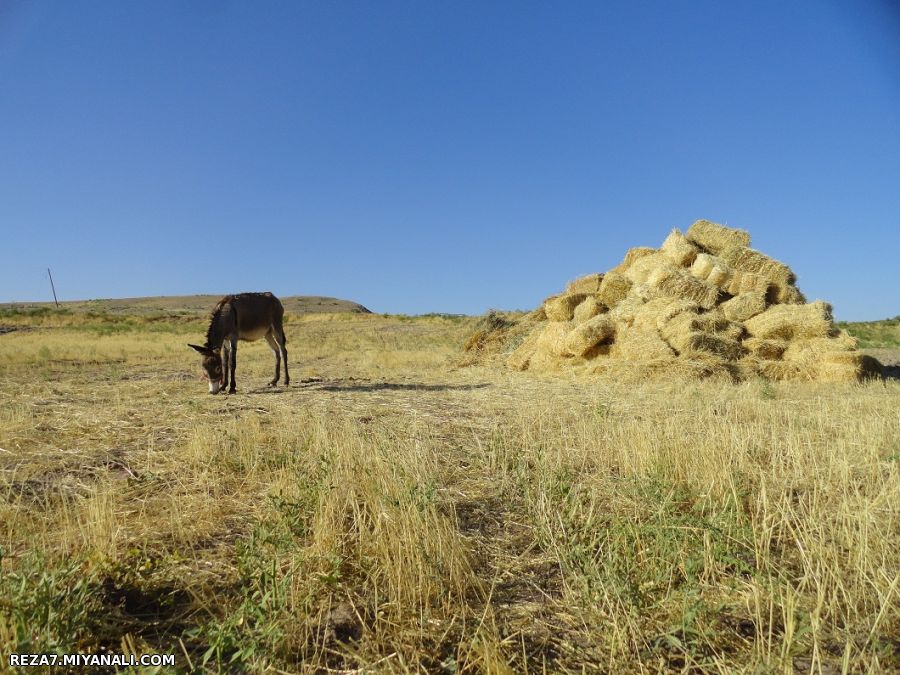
{"x":703,"y":304}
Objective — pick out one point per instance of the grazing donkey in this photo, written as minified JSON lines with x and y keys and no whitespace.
{"x":246,"y":316}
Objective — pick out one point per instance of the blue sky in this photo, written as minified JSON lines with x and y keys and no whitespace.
{"x":453,"y":157}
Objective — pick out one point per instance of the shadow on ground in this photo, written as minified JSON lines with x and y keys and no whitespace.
{"x":398,"y":386}
{"x":891,"y":372}
{"x":365,"y":386}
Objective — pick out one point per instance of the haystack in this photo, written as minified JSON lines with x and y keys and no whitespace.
{"x":702,"y":304}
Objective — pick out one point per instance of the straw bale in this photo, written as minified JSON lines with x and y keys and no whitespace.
{"x":686,"y":322}
{"x":678,"y":249}
{"x":586,"y":284}
{"x":698,"y":342}
{"x":778,"y":370}
{"x":588,"y":335}
{"x":716,"y":238}
{"x":712,"y":269}
{"x":678,"y":283}
{"x":647,"y":316}
{"x":587,"y":309}
{"x":539,"y":314}
{"x":546,"y":362}
{"x":792,"y":321}
{"x":815,"y":349}
{"x":675,"y":308}
{"x":631,"y":256}
{"x":552,"y":338}
{"x":744,"y":306}
{"x":642,"y":268}
{"x":624,"y":313}
{"x":613,"y":288}
{"x":640,"y":345}
{"x":789,"y":295}
{"x":750,"y":260}
{"x":848,"y":367}
{"x":520,"y":358}
{"x":562,"y":307}
{"x":772,"y":350}
{"x":746,"y":282}
{"x":733,"y":331}
{"x":703,"y":265}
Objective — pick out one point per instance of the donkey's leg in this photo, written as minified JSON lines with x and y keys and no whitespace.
{"x":274,"y":345}
{"x":225,"y":359}
{"x":233,"y":363}
{"x":282,"y":342}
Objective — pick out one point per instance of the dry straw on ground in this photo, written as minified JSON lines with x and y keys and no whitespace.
{"x":704,"y":297}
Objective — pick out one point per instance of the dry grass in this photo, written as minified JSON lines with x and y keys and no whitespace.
{"x":392,"y":512}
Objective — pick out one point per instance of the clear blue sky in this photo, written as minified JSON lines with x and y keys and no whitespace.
{"x":441,"y":156}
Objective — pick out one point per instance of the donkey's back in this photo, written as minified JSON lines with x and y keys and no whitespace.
{"x":255,"y":314}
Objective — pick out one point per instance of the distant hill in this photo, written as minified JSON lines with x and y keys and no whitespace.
{"x":190,"y":304}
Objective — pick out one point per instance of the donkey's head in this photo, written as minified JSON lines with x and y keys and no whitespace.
{"x":212,"y":364}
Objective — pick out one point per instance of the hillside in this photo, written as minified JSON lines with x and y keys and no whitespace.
{"x":187,"y":304}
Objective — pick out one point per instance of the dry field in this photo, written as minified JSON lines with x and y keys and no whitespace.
{"x":395,"y":511}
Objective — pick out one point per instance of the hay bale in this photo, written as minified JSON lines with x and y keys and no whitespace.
{"x":733,"y":331}
{"x":747,"y":282}
{"x":562,"y":307}
{"x":520,"y":358}
{"x":789,"y":322}
{"x":686,"y":322}
{"x":586,"y":284}
{"x":624,"y":313}
{"x":678,"y":249}
{"x":613,"y":288}
{"x":647,"y":316}
{"x":789,"y":295}
{"x":712,"y":269}
{"x":751,"y":260}
{"x":778,"y":370}
{"x":588,"y":335}
{"x":552,"y":338}
{"x":716,"y":238}
{"x":587,"y":309}
{"x":771,"y":350}
{"x":632,"y":255}
{"x":744,"y":306}
{"x":818,"y":348}
{"x":676,"y":308}
{"x":699,"y":343}
{"x":848,"y":367}
{"x":642,"y":268}
{"x":678,"y":283}
{"x":540,"y":314}
{"x":640,"y":345}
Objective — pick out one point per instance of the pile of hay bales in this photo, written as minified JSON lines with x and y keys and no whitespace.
{"x":704,"y":303}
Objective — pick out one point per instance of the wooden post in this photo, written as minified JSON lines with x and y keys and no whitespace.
{"x":53,"y":288}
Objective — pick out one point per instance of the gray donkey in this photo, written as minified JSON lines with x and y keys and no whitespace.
{"x":245,"y":316}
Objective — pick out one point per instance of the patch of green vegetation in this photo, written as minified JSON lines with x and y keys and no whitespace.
{"x":51,"y":606}
{"x":874,"y":334}
{"x":32,"y":312}
{"x":252,"y":631}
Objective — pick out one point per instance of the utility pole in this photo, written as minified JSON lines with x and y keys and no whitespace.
{"x":53,"y":288}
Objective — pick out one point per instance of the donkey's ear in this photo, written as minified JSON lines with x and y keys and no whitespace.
{"x":202,"y":350}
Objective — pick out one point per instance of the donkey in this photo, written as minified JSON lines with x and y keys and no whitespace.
{"x":246,"y":316}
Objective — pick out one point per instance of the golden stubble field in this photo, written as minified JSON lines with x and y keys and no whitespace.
{"x":396,"y":511}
